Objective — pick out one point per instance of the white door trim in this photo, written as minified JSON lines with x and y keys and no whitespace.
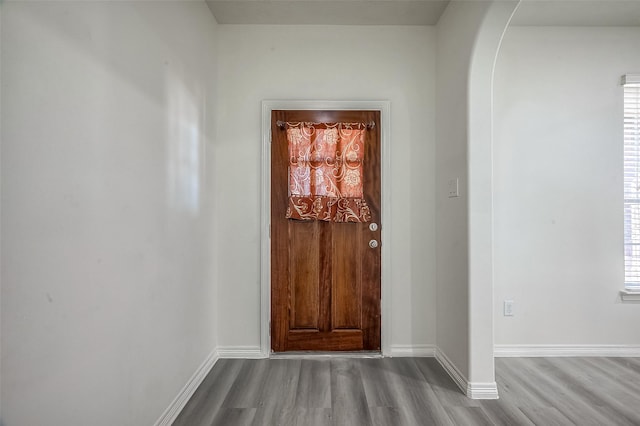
{"x":265,"y":247}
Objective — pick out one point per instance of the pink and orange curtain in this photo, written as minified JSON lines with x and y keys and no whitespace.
{"x":325,"y":172}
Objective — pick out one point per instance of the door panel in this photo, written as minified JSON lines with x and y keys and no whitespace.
{"x":325,"y":279}
{"x":347,"y":273}
{"x":304,"y":269}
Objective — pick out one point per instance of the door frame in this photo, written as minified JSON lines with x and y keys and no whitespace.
{"x":385,"y":199}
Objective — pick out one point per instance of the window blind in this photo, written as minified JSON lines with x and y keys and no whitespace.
{"x":631,"y":85}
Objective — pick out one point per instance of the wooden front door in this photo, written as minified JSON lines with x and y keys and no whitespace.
{"x":325,"y":276}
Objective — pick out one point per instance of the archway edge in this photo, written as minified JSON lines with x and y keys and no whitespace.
{"x":480,"y":207}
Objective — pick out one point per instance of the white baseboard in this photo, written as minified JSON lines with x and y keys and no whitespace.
{"x":473,"y":390}
{"x":505,"y":351}
{"x":412,"y":350}
{"x":248,"y":352}
{"x":452,"y":370}
{"x":176,"y":406}
{"x":477,"y":390}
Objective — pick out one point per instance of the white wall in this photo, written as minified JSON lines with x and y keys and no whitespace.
{"x":558,"y":186}
{"x":480,"y":181}
{"x":108,"y":306}
{"x":334,"y":63}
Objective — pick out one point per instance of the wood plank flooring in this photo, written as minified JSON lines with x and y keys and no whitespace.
{"x":414,"y":391}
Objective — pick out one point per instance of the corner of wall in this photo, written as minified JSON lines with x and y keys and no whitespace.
{"x":473,"y":390}
{"x":180,"y":401}
{"x":488,"y":40}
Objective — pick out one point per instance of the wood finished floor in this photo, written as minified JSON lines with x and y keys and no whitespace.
{"x":414,"y":391}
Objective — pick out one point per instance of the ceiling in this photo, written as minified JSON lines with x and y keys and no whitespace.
{"x":578,"y":13}
{"x":418,"y":12}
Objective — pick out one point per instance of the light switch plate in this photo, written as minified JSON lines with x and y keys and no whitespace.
{"x":508,"y":308}
{"x":453,"y":188}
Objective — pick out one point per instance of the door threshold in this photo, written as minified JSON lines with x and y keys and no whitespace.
{"x":324,"y":355}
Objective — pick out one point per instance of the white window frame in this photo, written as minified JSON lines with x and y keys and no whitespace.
{"x":631,"y":179}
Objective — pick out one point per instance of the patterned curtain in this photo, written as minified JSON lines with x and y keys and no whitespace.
{"x":325,"y":172}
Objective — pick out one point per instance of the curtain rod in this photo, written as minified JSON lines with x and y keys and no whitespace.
{"x":281,"y":125}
